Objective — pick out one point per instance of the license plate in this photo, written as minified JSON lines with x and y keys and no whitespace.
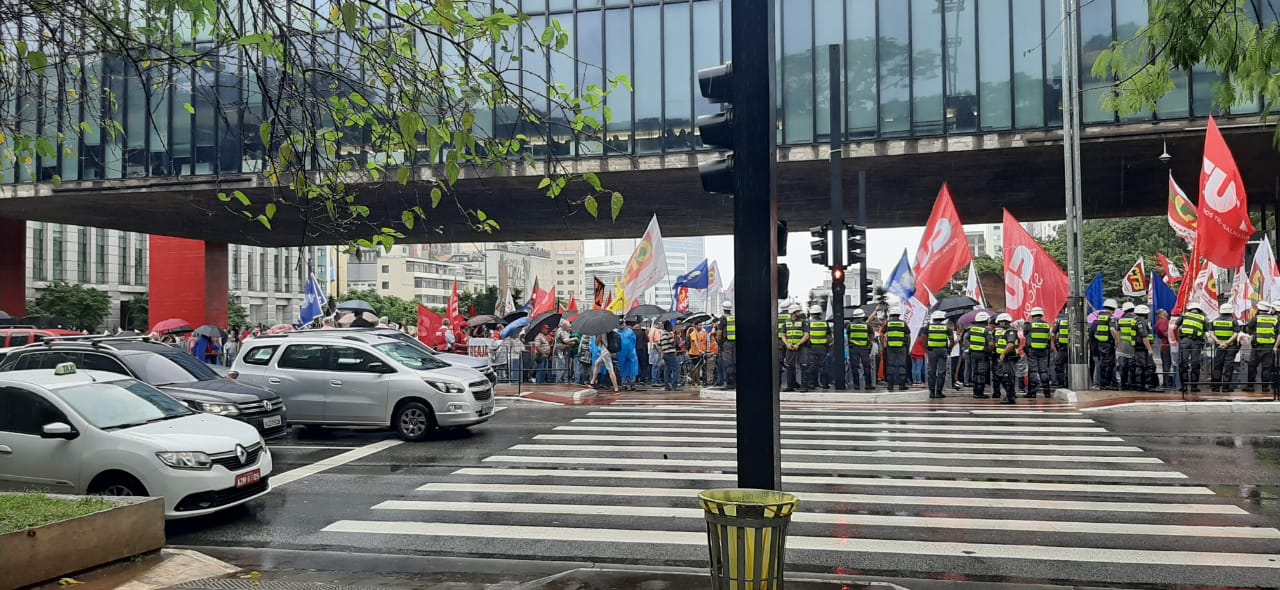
{"x":484,"y":411}
{"x":248,"y":478}
{"x":272,"y":421}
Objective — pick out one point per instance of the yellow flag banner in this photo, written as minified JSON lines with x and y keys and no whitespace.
{"x":619,"y":303}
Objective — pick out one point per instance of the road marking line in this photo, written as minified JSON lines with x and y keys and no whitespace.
{"x":877,"y":426}
{"x":967,"y":410}
{"x":844,"y":443}
{"x":853,"y":418}
{"x":977,"y":524}
{"x":909,"y":468}
{"x":826,"y":480}
{"x":800,"y":543}
{"x":841,"y":453}
{"x":949,"y":501}
{"x":335,"y":461}
{"x":879,"y":433}
{"x":308,"y":447}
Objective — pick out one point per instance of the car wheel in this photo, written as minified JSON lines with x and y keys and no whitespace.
{"x":414,"y":421}
{"x":116,"y":484}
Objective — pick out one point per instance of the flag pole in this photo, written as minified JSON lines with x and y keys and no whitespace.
{"x":1078,"y":367}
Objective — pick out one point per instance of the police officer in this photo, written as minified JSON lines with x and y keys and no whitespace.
{"x":1263,"y":331}
{"x":1128,"y":328}
{"x":1224,"y":332}
{"x":818,"y":331}
{"x":794,"y":336}
{"x":1274,"y":377}
{"x":978,"y":342}
{"x":1191,"y":345}
{"x":860,"y":352}
{"x":894,"y":342}
{"x":1144,"y":367}
{"x":1103,"y":334}
{"x":1039,"y":338}
{"x":1061,"y":350}
{"x":938,"y":342}
{"x":1006,"y":357}
{"x":729,"y":350}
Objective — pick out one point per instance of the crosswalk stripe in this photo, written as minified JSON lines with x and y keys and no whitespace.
{"x":845,"y":443}
{"x":841,"y":453}
{"x":877,"y":433}
{"x":1087,"y":488}
{"x":975,"y":410}
{"x":803,"y":543}
{"x":808,"y":516}
{"x":709,"y":463}
{"x":852,"y":418}
{"x":882,"y":425}
{"x":949,"y":501}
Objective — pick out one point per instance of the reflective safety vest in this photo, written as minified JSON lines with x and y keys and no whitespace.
{"x":859,"y":335}
{"x":1266,"y":329}
{"x":1064,"y":331}
{"x":1007,"y":337}
{"x":794,"y":331}
{"x":977,"y":339}
{"x":730,"y":329}
{"x":1192,"y":325}
{"x":1224,"y":329}
{"x":818,"y":332}
{"x":1101,"y":329}
{"x":938,"y":336}
{"x":895,"y":333}
{"x":1128,"y":329}
{"x":1040,"y":335}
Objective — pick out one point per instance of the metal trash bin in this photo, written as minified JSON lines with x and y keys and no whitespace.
{"x":746,"y":535}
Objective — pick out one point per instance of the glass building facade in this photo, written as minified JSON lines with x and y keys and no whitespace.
{"x":912,"y":68}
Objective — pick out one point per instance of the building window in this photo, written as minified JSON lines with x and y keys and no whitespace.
{"x":252,"y":277}
{"x":122,"y":252}
{"x":59,"y":254}
{"x":387,"y":268}
{"x":386,"y":285}
{"x":275,"y":272}
{"x":262,"y":271}
{"x":895,"y":58}
{"x":100,"y":252}
{"x":559,"y":262}
{"x":83,"y":262}
{"x":571,"y":271}
{"x":140,"y":262}
{"x":235,"y":267}
{"x":37,"y":252}
{"x":994,"y":102}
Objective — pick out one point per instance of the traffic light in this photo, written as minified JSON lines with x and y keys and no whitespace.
{"x":782,"y":238}
{"x":867,"y":292}
{"x":821,"y":245}
{"x":717,"y":129}
{"x":857,"y":244}
{"x":837,"y":275}
{"x":784,"y":277}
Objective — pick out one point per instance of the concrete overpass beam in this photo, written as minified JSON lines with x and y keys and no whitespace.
{"x":13,"y":267}
{"x":188,"y":280}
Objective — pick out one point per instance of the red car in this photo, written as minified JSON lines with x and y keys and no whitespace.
{"x":11,"y":336}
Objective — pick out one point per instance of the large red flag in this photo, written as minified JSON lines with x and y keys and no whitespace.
{"x":944,"y":249}
{"x":428,"y":325}
{"x":1223,"y":227}
{"x":455,"y":315}
{"x":543,"y":301}
{"x":1031,"y":277}
{"x":573,"y":302}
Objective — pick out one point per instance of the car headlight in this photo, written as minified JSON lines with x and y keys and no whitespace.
{"x":218,"y":408}
{"x":446,"y":386}
{"x":186,"y":460}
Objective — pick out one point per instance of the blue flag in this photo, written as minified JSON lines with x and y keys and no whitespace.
{"x":901,"y":281}
{"x":1094,"y":294}
{"x":1162,"y":297}
{"x":694,"y":279}
{"x":314,"y":301}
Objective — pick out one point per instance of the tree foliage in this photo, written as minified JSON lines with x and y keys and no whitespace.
{"x":401,"y":311}
{"x":139,"y":317}
{"x":237,"y":315}
{"x":1112,"y":246}
{"x":342,"y":99}
{"x":483,"y":302}
{"x":83,"y":308}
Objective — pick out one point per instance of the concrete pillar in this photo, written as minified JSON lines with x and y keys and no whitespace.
{"x":13,"y":267}
{"x":188,"y":280}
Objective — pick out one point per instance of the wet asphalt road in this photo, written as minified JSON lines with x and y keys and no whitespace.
{"x":1236,"y":456}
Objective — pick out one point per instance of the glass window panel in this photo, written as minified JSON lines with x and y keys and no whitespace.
{"x":100,"y":255}
{"x":796,"y":69}
{"x":122,"y":262}
{"x":58,"y":254}
{"x":726,"y":26}
{"x":206,"y":125}
{"x":926,"y":65}
{"x":1177,"y":103}
{"x":1053,"y":62}
{"x":617,"y":36}
{"x":706,"y":53}
{"x":180,"y":135}
{"x":229,"y":96}
{"x":678,"y":81}
{"x":1131,"y":15}
{"x":83,"y":261}
{"x":560,"y":5}
{"x":1202,"y":88}
{"x":140,"y":262}
{"x":860,"y":69}
{"x":37,"y":251}
{"x":828,"y":30}
{"x":994,"y":110}
{"x":1095,"y":37}
{"x":1028,"y":65}
{"x":648,"y":83}
{"x":962,"y":65}
{"x":590,"y":63}
{"x":562,"y":72}
{"x":534,"y":73}
{"x":895,"y":67}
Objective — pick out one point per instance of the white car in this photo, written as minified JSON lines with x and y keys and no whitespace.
{"x":94,"y":432}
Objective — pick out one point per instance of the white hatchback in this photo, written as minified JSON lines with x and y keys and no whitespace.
{"x":93,"y":432}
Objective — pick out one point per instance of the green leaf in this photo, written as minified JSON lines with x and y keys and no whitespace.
{"x":615,"y":203}
{"x":264,"y":132}
{"x":592,"y":180}
{"x":243,"y":198}
{"x":349,"y":16}
{"x":358,"y":98}
{"x":264,"y":221}
{"x":468,"y":120}
{"x":592,"y":206}
{"x":190,"y":109}
{"x":546,"y":182}
{"x":38,"y":60}
{"x":271,"y":210}
{"x":45,"y":149}
{"x":548,"y":36}
{"x":406,"y":217}
{"x":57,"y":180}
{"x":224,"y":197}
{"x":436,"y":195}
{"x":452,"y":170}
{"x":402,"y":175}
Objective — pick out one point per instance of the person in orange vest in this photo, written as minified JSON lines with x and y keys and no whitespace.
{"x":444,"y":337}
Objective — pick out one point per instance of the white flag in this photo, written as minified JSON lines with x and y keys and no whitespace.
{"x":973,"y":288}
{"x":1264,"y":267}
{"x":915,"y":312}
{"x":1240,"y":294}
{"x":648,"y":264}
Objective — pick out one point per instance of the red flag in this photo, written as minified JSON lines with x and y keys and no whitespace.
{"x":543,"y":301}
{"x":608,"y":302}
{"x":428,"y":325}
{"x":473,"y":310}
{"x":1172,"y":275}
{"x":944,"y":249}
{"x":455,"y":316}
{"x":634,"y":304}
{"x":1223,"y":227}
{"x":682,"y":300}
{"x":1031,"y":277}
{"x":573,"y":303}
{"x":1191,"y":271}
{"x":599,"y":302}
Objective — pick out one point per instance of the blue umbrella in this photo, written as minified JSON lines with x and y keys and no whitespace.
{"x":514,"y":327}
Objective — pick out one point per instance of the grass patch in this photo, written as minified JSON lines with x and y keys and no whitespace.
{"x":23,"y":511}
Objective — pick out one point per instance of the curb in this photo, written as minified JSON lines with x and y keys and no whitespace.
{"x":583,"y":393}
{"x":1190,"y":407}
{"x":914,"y":395}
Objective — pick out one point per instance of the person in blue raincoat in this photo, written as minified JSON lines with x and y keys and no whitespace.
{"x":628,"y":360}
{"x":206,"y":350}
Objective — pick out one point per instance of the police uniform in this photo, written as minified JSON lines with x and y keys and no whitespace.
{"x":1190,"y":348}
{"x":816,"y":351}
{"x":1128,"y":327}
{"x":938,"y":343}
{"x":896,"y":341}
{"x":1100,"y":333}
{"x":1224,"y":328}
{"x":1062,"y":351}
{"x":1144,"y":367}
{"x":860,"y":356}
{"x":978,"y":343}
{"x":1263,"y":329}
{"x":729,"y":351}
{"x":794,"y":331}
{"x":1039,"y":338}
{"x":1007,"y":364}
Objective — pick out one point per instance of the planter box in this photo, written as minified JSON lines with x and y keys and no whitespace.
{"x":133,"y":526}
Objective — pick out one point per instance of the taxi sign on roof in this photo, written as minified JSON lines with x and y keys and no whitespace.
{"x":65,"y":369}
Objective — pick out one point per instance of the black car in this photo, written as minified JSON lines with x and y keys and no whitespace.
{"x":173,"y":371}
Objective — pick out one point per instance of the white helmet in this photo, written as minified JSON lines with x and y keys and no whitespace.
{"x":1128,"y":306}
{"x":1004,"y":317}
{"x":1275,"y":306}
{"x":795,"y":308}
{"x":1142,"y":310}
{"x":1036,"y":311}
{"x":1226,"y":309}
{"x":1194,"y":306}
{"x":1110,"y":304}
{"x":1264,"y":306}
{"x":895,"y":310}
{"x":858,"y":313}
{"x":938,"y":315}
{"x":727,"y":306}
{"x":813,"y":309}
{"x":982,"y":316}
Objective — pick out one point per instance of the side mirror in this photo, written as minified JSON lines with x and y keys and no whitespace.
{"x":60,"y":430}
{"x":379,"y":367}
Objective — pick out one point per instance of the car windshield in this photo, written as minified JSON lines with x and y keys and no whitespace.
{"x":120,"y":404}
{"x":410,"y":356}
{"x":168,"y":369}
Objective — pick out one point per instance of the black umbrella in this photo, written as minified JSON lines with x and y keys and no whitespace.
{"x":513,"y":316}
{"x":955,"y":306}
{"x":595,"y":321}
{"x":353,"y":319}
{"x":670,"y":315}
{"x":481,"y":320}
{"x":355,"y":305}
{"x":212,"y":331}
{"x":646,"y":311}
{"x":696,"y":318}
{"x":550,"y":319}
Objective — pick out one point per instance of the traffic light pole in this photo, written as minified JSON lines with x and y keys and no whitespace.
{"x":863,"y":296}
{"x":755,"y":216}
{"x":841,"y":247}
